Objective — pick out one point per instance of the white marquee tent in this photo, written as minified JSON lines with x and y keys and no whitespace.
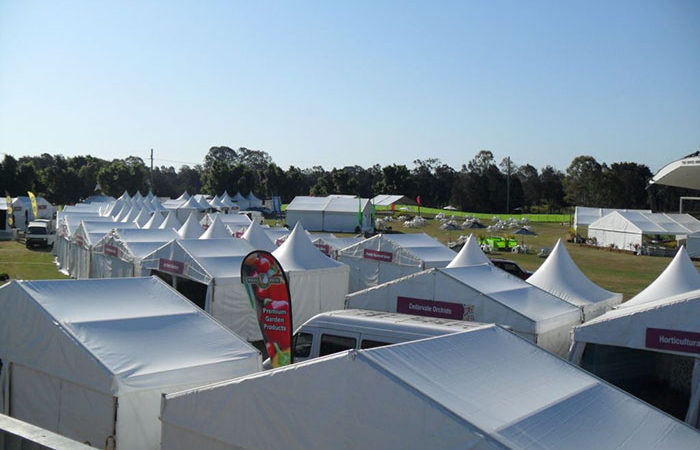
{"x":560,"y":276}
{"x":386,"y":257}
{"x":66,"y":224}
{"x":317,"y":283}
{"x":625,"y":230}
{"x":83,"y":239}
{"x":678,"y":277}
{"x":215,"y":266}
{"x":584,"y":215}
{"x":480,"y":389}
{"x":654,"y":343}
{"x":191,"y":229}
{"x":73,"y":350}
{"x":119,"y":253}
{"x":482,"y":293}
{"x":333,"y":213}
{"x":258,"y":238}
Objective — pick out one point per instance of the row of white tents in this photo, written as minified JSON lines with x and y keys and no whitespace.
{"x":22,"y":212}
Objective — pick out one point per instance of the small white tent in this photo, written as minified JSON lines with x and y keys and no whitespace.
{"x":482,"y":293}
{"x":258,"y":238}
{"x":170,"y":222}
{"x":240,"y":201}
{"x":480,"y":389}
{"x":208,"y":272}
{"x":119,"y":253}
{"x":678,"y":277}
{"x":386,"y":257}
{"x":560,"y":276}
{"x":217,"y":230}
{"x":73,"y":351}
{"x":154,"y":222}
{"x":469,"y":255}
{"x":186,"y":209}
{"x":317,"y":283}
{"x":651,"y":350}
{"x":191,"y":229}
{"x":253,"y":201}
{"x":228,"y":205}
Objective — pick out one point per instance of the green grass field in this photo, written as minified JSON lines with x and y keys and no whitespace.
{"x":23,"y":264}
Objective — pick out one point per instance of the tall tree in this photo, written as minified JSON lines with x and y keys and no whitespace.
{"x":582,"y":183}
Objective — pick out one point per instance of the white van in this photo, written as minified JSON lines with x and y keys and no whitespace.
{"x":335,"y":331}
{"x":40,"y":233}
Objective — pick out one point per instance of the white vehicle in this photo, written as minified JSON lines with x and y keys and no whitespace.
{"x":40,"y":233}
{"x":335,"y":331}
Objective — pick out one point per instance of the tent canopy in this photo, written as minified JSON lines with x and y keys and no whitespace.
{"x":408,"y":249}
{"x":297,"y":253}
{"x":678,"y":277}
{"x":389,"y":199}
{"x":484,"y":388}
{"x":560,"y":276}
{"x":469,"y":255}
{"x":683,"y":173}
{"x":258,"y":238}
{"x":217,"y":230}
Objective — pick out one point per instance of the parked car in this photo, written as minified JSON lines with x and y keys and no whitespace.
{"x":498,"y":243}
{"x":512,"y":268}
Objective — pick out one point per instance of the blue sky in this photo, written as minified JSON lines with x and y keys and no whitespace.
{"x":362,"y":82}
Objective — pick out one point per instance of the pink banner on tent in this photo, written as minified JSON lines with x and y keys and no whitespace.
{"x":674,"y":340}
{"x":111,"y":250}
{"x":79,"y":241}
{"x":433,"y":308}
{"x":325,"y":248}
{"x":378,"y":255}
{"x":168,"y":265}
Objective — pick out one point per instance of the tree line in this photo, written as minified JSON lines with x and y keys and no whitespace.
{"x":480,"y":185}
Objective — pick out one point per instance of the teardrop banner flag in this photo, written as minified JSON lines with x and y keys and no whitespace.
{"x":35,"y":208}
{"x":10,"y":217}
{"x":268,"y":291}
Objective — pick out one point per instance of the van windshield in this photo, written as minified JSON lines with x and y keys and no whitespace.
{"x":37,"y":230}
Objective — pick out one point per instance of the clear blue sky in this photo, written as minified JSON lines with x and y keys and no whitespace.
{"x":361,"y":82}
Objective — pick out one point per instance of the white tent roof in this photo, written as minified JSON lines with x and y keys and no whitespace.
{"x":388,"y":200}
{"x":678,"y":277}
{"x":584,"y":215}
{"x":484,"y":388}
{"x":185,"y":196}
{"x":238,"y":197}
{"x":191,"y":203}
{"x":124,"y":196}
{"x":258,"y":238}
{"x":231,"y":220}
{"x":137,"y":242}
{"x":191,"y":229}
{"x":560,"y":276}
{"x":216,"y":203}
{"x":252,"y":198}
{"x":627,"y":327}
{"x":298,"y":253}
{"x":337,"y":243}
{"x":157,"y":204}
{"x":226,"y":201}
{"x":170,"y":222}
{"x":469,"y":255}
{"x":684,"y":173}
{"x":202,"y":201}
{"x":155,"y":221}
{"x":332,"y":203}
{"x":131,"y":215}
{"x":409,"y":249}
{"x":116,"y":335}
{"x":143,"y":216}
{"x":93,"y":231}
{"x":646,"y":223}
{"x":217,"y":230}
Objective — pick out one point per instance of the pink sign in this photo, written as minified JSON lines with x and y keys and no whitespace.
{"x":434,"y":308}
{"x":79,"y":241}
{"x":377,"y":255}
{"x":168,"y":265}
{"x":674,"y":340}
{"x":111,"y":250}
{"x":325,"y":248}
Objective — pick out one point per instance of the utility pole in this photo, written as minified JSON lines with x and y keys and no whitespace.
{"x":508,"y":185}
{"x":151,"y":170}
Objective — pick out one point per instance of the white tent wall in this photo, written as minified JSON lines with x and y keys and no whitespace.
{"x":316,"y":291}
{"x":693,"y":245}
{"x":310,"y":220}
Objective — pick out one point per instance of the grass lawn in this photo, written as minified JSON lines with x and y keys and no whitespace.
{"x":23,"y":264}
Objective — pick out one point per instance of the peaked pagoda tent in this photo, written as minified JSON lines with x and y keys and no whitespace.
{"x":480,"y":389}
{"x":119,"y":253}
{"x":317,"y":283}
{"x":216,"y":204}
{"x":170,"y":222}
{"x":83,"y":239}
{"x":208,"y":271}
{"x":258,"y":238}
{"x":187,"y":208}
{"x":330,"y":245}
{"x":482,"y":293}
{"x":217,"y":230}
{"x":651,"y":350}
{"x":66,"y":224}
{"x":228,"y":204}
{"x":74,"y":350}
{"x":386,"y":257}
{"x":155,"y":221}
{"x":469,"y":255}
{"x":240,"y":201}
{"x":143,"y":217}
{"x":234,"y":221}
{"x":191,"y":229}
{"x":253,"y":201}
{"x":202,"y":201}
{"x":560,"y":276}
{"x":678,"y":277}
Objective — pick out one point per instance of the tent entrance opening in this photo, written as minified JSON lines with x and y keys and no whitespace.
{"x":661,"y":379}
{"x":193,"y":290}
